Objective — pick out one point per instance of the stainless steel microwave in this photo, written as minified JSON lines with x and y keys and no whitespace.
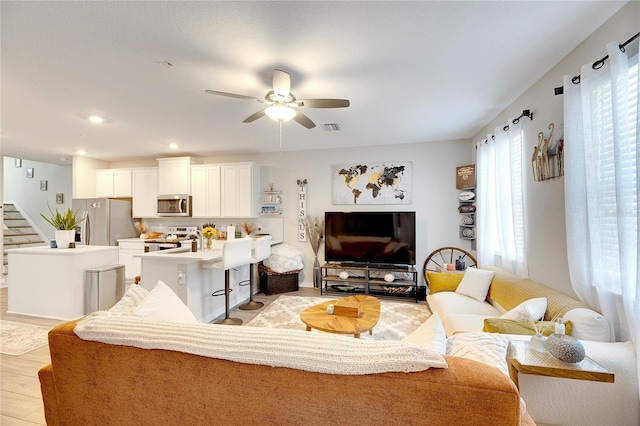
{"x":174,"y":205}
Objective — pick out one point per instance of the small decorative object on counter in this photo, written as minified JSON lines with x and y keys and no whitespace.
{"x":460,"y":265}
{"x":389,"y":277}
{"x":330,"y":309}
{"x":559,"y":326}
{"x":209,"y":233}
{"x":538,"y":343}
{"x":343,"y":275}
{"x":565,"y":348}
{"x":248,"y":228}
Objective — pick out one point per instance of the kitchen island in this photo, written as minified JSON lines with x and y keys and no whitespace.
{"x":185,"y":272}
{"x":50,"y":282}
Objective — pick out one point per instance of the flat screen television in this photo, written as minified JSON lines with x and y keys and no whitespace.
{"x":371,"y":238}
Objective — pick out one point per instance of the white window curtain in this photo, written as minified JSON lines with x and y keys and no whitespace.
{"x":601,"y":190}
{"x":500,"y":201}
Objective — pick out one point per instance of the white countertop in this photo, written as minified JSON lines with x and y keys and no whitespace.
{"x":185,"y":254}
{"x":80,"y":249}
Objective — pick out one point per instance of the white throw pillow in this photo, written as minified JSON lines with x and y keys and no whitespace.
{"x":475,"y":283}
{"x":431,"y":334}
{"x":134,"y":295}
{"x":163,"y":304}
{"x":529,"y":310}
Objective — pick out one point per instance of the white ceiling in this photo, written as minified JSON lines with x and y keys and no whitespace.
{"x":414,"y":71}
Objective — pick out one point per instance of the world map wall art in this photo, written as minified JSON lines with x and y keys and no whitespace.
{"x":379,"y":183}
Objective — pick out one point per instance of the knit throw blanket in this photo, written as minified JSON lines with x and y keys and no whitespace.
{"x":314,"y":352}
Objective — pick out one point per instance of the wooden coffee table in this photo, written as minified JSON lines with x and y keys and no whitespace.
{"x":317,"y":317}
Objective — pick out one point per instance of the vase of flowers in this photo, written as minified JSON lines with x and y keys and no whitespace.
{"x":209,"y":233}
{"x":315,"y":233}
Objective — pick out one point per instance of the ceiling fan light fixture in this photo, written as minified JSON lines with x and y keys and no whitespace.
{"x":280,"y":112}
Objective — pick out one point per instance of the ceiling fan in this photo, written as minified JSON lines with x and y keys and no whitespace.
{"x":282,"y":102}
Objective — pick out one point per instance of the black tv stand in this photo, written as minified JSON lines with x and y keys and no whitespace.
{"x":369,"y":278}
{"x":372,"y":265}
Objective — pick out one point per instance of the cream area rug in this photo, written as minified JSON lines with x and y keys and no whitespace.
{"x":397,"y":319}
{"x":17,"y":338}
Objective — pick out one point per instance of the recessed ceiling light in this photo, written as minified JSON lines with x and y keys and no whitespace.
{"x":95,"y":119}
{"x":81,"y":152}
{"x":173,"y":145}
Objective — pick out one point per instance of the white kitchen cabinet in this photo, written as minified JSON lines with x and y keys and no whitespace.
{"x":240,"y":185}
{"x":174,"y":175}
{"x":205,"y":190}
{"x":145,"y":192}
{"x":128,"y":248}
{"x":113,"y":183}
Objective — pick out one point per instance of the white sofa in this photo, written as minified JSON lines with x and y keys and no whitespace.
{"x":555,"y":401}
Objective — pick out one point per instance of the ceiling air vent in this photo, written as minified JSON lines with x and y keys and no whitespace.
{"x":331,"y":127}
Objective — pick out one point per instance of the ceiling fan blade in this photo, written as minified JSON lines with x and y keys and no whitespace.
{"x":281,"y":83}
{"x":300,"y":118}
{"x":232,"y":95}
{"x":323,"y":103}
{"x":254,"y":117}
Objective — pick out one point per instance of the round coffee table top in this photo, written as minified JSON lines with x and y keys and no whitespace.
{"x":317,"y":317}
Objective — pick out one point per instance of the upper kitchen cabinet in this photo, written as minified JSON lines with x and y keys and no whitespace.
{"x":174,"y":175}
{"x":240,"y":185}
{"x":145,"y":192}
{"x":113,"y":183}
{"x":205,"y":190}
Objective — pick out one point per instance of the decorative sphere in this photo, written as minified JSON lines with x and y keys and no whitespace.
{"x":389,"y":277}
{"x":565,"y":348}
{"x":343,"y":275}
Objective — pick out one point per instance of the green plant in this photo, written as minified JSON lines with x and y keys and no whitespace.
{"x":65,"y":221}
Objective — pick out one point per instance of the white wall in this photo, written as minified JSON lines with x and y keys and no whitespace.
{"x":27,"y":194}
{"x":84,"y":171}
{"x":545,"y":200}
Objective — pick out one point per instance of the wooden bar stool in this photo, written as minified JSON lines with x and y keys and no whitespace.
{"x":261,"y":251}
{"x":235,"y":253}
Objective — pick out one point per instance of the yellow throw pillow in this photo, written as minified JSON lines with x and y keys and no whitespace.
{"x":509,"y":326}
{"x":443,"y":281}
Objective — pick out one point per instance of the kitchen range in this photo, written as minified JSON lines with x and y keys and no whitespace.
{"x":176,"y":236}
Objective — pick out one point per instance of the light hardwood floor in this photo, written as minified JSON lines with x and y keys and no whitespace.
{"x":20,"y":398}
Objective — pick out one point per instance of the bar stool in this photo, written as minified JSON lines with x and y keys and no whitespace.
{"x":261,"y":251}
{"x":235,"y":253}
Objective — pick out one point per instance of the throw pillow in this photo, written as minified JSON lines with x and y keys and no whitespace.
{"x":475,"y":283}
{"x":163,"y":304}
{"x":509,"y":326}
{"x":442,"y":281}
{"x":529,"y":310}
{"x":431,"y":334}
{"x":134,"y":295}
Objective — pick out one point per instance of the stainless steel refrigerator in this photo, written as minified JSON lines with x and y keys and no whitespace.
{"x":106,"y":221}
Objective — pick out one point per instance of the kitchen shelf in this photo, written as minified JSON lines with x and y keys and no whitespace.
{"x":270,"y":203}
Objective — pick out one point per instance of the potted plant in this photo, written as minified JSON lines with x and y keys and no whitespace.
{"x":64,"y":224}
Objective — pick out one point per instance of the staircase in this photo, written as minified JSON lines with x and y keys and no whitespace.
{"x":17,"y":232}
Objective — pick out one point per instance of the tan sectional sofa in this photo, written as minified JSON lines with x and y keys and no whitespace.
{"x":96,"y":383}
